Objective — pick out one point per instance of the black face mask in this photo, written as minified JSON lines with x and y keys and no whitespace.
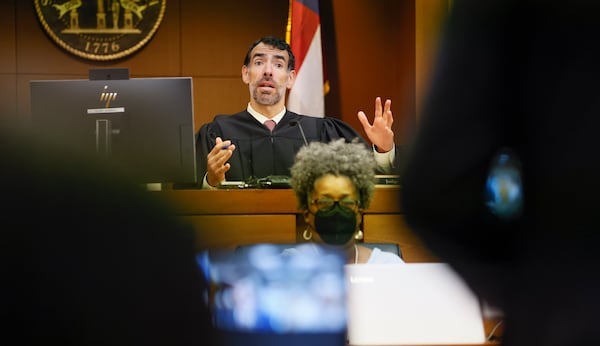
{"x":335,"y":225}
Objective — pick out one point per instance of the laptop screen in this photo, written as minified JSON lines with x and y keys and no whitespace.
{"x":411,"y":304}
{"x":261,"y":295}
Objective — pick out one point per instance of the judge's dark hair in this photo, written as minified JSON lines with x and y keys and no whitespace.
{"x":340,"y":158}
{"x":274,"y":42}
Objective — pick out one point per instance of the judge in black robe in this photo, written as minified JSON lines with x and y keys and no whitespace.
{"x":239,"y":147}
{"x":260,"y":153}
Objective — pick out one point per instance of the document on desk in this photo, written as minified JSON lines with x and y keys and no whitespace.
{"x":415,"y":303}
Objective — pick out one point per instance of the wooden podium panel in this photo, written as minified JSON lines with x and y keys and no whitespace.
{"x":222,"y":231}
{"x":228,"y":202}
{"x":228,"y":218}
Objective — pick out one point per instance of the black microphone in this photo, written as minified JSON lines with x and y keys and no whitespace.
{"x":296,"y":122}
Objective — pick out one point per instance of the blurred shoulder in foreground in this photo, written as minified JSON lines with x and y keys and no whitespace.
{"x":91,"y":257}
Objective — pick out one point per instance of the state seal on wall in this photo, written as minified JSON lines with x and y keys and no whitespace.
{"x":100,"y":29}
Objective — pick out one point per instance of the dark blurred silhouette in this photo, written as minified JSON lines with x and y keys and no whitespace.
{"x":91,"y":258}
{"x":523,"y":75}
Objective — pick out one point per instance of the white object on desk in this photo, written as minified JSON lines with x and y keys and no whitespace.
{"x":413,"y":303}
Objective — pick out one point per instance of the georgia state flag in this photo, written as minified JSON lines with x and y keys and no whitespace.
{"x":307,"y":96}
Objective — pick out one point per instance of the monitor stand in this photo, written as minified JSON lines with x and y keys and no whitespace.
{"x":103,"y":137}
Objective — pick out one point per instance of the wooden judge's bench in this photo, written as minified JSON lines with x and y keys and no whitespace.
{"x":228,"y":218}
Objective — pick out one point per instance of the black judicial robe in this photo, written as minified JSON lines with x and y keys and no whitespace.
{"x":259,"y":153}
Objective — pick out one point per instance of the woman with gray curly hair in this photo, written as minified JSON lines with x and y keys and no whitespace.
{"x":333,"y":183}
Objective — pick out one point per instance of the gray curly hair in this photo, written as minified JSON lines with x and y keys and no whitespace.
{"x":338,"y":157}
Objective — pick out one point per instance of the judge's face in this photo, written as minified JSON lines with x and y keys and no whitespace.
{"x":267,"y":75}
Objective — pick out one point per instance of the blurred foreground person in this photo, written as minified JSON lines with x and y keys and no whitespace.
{"x":91,"y":258}
{"x":520,"y":75}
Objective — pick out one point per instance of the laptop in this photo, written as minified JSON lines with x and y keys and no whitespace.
{"x":260,"y":296}
{"x":413,"y":303}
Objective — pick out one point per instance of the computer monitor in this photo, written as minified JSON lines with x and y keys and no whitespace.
{"x":143,"y":125}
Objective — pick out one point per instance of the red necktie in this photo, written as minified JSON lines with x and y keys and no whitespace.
{"x":270,"y":124}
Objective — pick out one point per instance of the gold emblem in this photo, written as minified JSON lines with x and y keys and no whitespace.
{"x":101,"y":29}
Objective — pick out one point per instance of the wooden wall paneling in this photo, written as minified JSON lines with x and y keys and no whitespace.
{"x":8,"y":62}
{"x":221,"y":231}
{"x":8,"y":56}
{"x":216,"y":34}
{"x":402,"y":83}
{"x":375,"y":57}
{"x":230,"y":90}
{"x":430,"y":16}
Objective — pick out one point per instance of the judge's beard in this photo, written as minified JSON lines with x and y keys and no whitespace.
{"x":267,"y":99}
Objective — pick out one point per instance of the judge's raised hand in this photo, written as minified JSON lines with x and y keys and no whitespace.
{"x":380,"y":132}
{"x":217,"y":164}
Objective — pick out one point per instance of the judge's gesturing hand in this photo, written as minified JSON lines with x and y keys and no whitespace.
{"x":217,"y":164}
{"x":380,"y":133}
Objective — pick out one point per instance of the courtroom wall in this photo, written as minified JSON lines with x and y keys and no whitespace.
{"x":369,"y":47}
